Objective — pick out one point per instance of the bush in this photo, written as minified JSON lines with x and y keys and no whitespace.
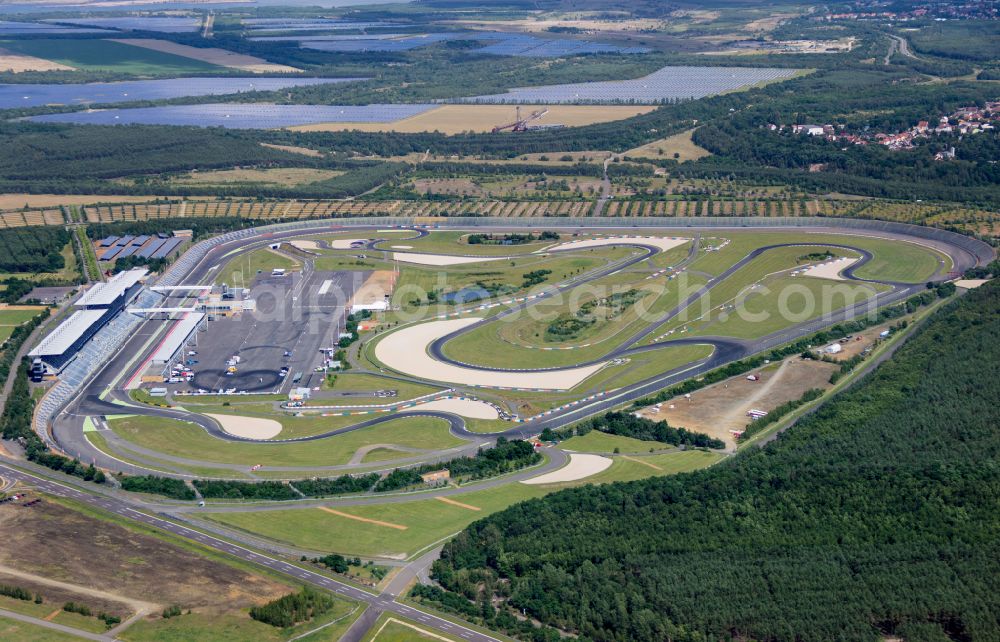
{"x":291,"y":609}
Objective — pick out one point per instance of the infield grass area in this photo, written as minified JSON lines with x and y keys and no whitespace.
{"x":188,"y":441}
{"x":243,"y":269}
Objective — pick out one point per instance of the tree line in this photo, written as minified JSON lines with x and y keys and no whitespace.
{"x":626,"y":424}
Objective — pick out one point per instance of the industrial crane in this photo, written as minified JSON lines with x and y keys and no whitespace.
{"x":520,"y":124}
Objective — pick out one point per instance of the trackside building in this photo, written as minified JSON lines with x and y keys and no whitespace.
{"x":95,"y":308}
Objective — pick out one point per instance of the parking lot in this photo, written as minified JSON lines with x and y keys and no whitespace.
{"x":295,"y":316}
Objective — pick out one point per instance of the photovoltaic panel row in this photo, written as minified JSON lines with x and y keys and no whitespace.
{"x":128,"y":251}
{"x":10,"y":28}
{"x":241,"y":116}
{"x":666,"y":84}
{"x":148,"y":251}
{"x":37,"y":95}
{"x":168,"y":246}
{"x":495,"y":43}
{"x":162,"y":24}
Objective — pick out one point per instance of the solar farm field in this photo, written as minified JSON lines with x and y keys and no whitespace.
{"x":107,"y":55}
{"x":162,"y":24}
{"x":668,"y":83}
{"x":494,"y":43}
{"x":240,"y":116}
{"x":14,"y":96}
{"x":10,"y":28}
{"x":263,"y":25}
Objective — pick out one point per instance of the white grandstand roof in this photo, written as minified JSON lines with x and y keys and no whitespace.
{"x":177,"y":336}
{"x":108,"y":293}
{"x":60,"y":339}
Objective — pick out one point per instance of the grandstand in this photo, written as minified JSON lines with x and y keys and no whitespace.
{"x":96,"y":308}
{"x":115,"y":293}
{"x":62,"y":344}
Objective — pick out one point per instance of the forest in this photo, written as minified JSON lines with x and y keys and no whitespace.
{"x":33,"y":249}
{"x":873,"y":517}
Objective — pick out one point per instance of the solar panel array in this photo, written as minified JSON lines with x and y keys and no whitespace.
{"x":36,"y":95}
{"x":9,"y":28}
{"x":162,"y":24}
{"x":240,"y":116}
{"x":166,"y":248}
{"x":308,"y":24}
{"x":497,"y":43}
{"x":667,"y":84}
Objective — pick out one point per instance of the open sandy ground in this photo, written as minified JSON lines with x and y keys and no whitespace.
{"x":17,"y":201}
{"x":469,"y":408}
{"x":344,"y":244}
{"x":406,"y":351}
{"x":249,"y":427}
{"x":294,"y":149}
{"x":376,"y":287}
{"x":211,"y":55}
{"x":721,"y":407}
{"x":402,"y":247}
{"x":661,"y":242}
{"x":580,"y":466}
{"x":456,"y":119}
{"x":970,"y":284}
{"x":18,"y":63}
{"x":305,"y":245}
{"x":831,"y":269}
{"x":441,"y":259}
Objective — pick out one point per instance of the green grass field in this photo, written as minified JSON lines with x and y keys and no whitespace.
{"x":428,"y":520}
{"x":17,"y":317}
{"x":350,"y":382}
{"x":105,"y":55}
{"x":243,"y":269}
{"x":395,"y":629}
{"x":239,"y":628}
{"x":517,"y":342}
{"x":415,"y":281}
{"x":893,"y":260}
{"x":600,"y":442}
{"x":623,"y":469}
{"x":454,"y":242}
{"x":46,"y":609}
{"x":761,"y":312}
{"x":181,"y":439}
{"x":14,"y":630}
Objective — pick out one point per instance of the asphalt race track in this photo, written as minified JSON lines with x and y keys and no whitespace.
{"x":94,"y":399}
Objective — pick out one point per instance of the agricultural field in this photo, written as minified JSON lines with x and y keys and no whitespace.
{"x":457,"y":119}
{"x":212,"y":56}
{"x":679,"y":147}
{"x":107,"y":55}
{"x":276,"y":177}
